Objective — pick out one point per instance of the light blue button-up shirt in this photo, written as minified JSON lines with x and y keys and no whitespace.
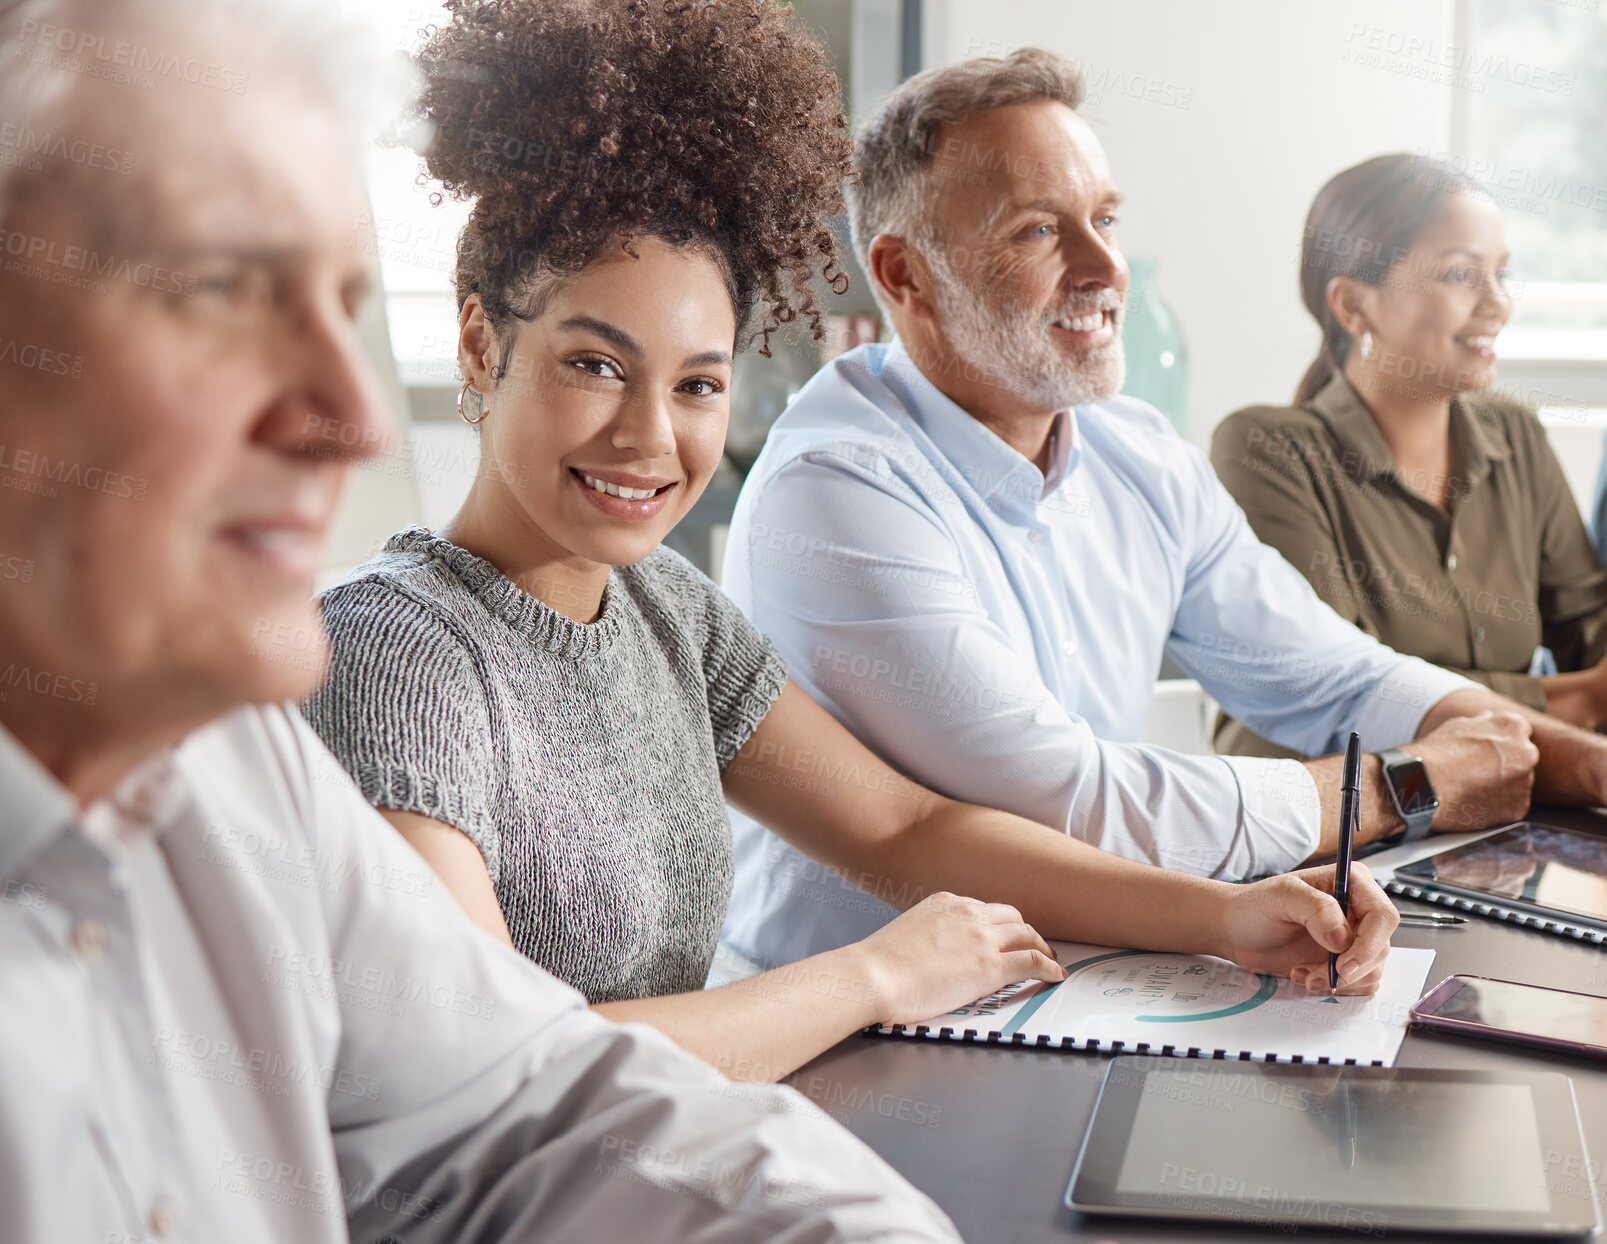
{"x":996,"y":634}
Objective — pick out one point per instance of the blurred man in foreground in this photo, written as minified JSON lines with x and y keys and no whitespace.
{"x":241,"y":1007}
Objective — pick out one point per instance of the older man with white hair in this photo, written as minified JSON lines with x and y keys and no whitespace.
{"x":238,"y":1006}
{"x":975,"y":554}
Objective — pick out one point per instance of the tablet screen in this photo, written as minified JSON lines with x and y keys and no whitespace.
{"x":1311,"y":1144}
{"x":1352,"y":1147}
{"x":1542,"y":865}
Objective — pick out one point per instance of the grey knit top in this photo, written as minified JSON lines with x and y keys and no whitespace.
{"x":583,"y":760}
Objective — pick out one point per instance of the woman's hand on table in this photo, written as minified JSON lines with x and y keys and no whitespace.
{"x":948,"y":951}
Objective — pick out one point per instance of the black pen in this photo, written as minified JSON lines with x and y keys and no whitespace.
{"x":1349,"y":814}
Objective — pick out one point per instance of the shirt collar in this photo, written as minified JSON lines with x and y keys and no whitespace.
{"x":38,"y":808}
{"x":1478,"y":441}
{"x":983,"y":458}
{"x":1483,"y":441}
{"x":1065,"y":447}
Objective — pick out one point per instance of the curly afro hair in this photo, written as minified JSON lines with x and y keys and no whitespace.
{"x":574,"y":124}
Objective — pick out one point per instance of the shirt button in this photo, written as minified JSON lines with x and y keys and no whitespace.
{"x":1450,"y":562}
{"x":87,"y":937}
{"x":163,"y":1218}
{"x":1069,"y":647}
{"x":1036,"y":536}
{"x":1478,"y":636}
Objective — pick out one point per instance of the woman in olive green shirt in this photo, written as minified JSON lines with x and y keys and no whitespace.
{"x":1420,"y":505}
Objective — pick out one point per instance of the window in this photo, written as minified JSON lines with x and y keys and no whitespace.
{"x":1529,"y":121}
{"x":414,"y":239}
{"x":416,"y":244}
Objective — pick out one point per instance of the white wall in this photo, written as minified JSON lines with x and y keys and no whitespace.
{"x":1222,"y":120}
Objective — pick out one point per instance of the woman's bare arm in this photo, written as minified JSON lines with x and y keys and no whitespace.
{"x":946,"y":953}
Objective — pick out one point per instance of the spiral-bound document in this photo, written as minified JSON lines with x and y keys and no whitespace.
{"x":1561,"y":926}
{"x":1546,"y":877}
{"x":1152,"y":1002}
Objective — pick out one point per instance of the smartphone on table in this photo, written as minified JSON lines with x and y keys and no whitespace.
{"x":1533,"y":1015}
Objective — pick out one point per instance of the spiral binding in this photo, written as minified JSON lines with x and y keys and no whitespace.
{"x":1494,"y":911}
{"x":974,"y":1036}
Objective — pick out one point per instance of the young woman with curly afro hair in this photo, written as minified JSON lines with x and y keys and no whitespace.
{"x":551,"y":706}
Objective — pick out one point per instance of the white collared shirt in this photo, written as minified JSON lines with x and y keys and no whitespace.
{"x":996,"y":634}
{"x":239,"y":1007}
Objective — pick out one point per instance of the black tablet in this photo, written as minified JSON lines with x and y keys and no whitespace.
{"x":1366,"y":1148}
{"x":1543,"y":870}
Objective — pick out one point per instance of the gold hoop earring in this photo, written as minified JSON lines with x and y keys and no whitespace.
{"x":464,"y":392}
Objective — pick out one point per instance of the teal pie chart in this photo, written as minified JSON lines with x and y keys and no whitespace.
{"x":1226,"y":990}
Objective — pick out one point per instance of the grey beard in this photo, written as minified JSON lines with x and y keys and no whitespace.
{"x":1014,"y":351}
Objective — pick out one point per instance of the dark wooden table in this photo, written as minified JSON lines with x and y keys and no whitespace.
{"x":991,"y":1134}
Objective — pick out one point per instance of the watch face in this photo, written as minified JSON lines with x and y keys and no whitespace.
{"x":1412,"y":787}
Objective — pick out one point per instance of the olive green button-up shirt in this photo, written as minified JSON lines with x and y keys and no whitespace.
{"x":1476,"y":590}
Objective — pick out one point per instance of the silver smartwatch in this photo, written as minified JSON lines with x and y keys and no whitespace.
{"x":1406,"y":778}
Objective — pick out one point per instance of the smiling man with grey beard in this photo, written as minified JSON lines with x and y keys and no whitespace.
{"x":994,"y":329}
{"x":975,"y":553}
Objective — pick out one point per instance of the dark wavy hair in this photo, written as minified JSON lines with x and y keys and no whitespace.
{"x":1361,"y":224}
{"x":579,"y":124}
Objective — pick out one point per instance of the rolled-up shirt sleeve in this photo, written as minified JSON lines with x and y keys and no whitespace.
{"x":894,"y":642}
